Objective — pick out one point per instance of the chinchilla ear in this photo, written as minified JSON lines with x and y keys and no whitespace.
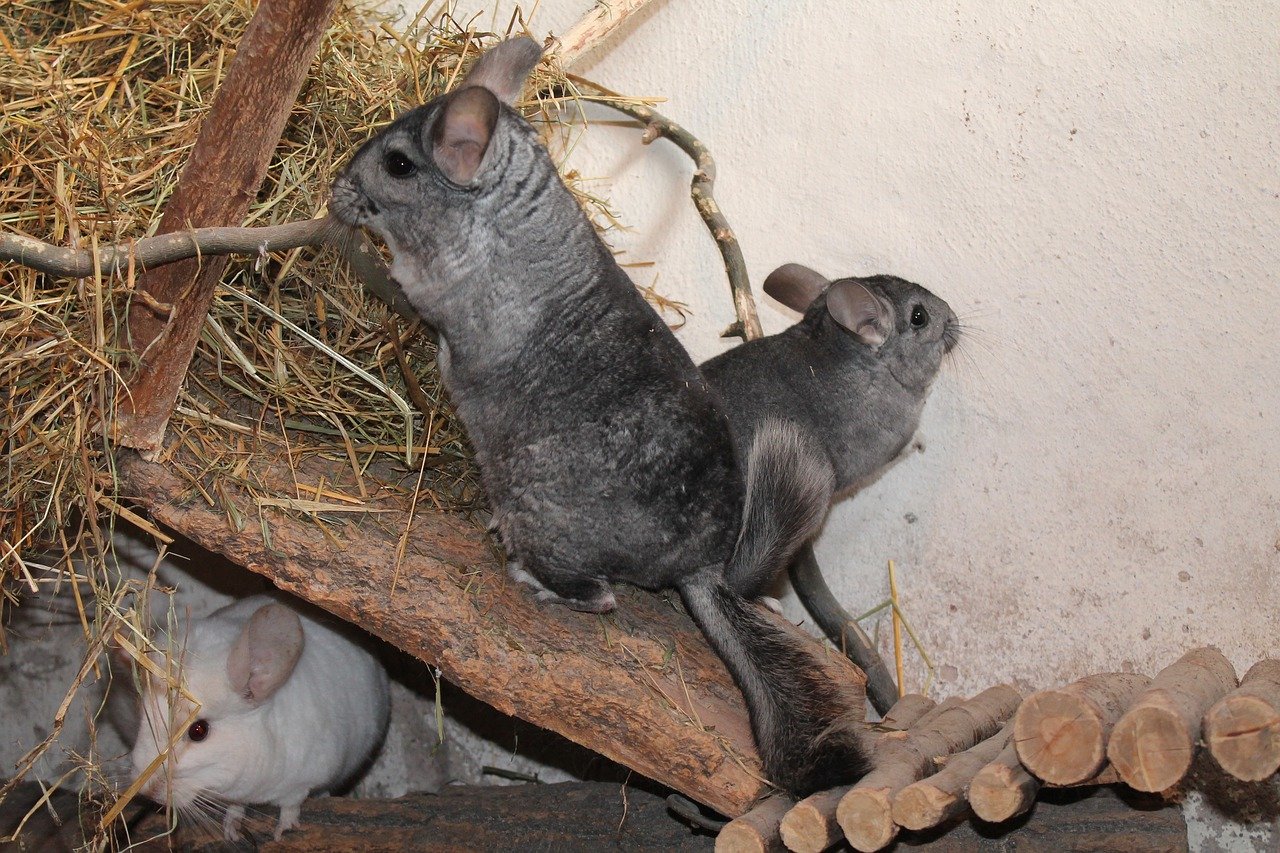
{"x":460,"y":136}
{"x":858,"y":310}
{"x":265,"y":653}
{"x":502,"y":69}
{"x":795,"y":286}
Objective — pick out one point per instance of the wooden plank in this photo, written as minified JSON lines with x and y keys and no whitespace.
{"x":598,"y":816}
{"x":640,"y":685}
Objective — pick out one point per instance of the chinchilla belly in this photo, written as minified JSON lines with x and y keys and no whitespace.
{"x":639,"y":512}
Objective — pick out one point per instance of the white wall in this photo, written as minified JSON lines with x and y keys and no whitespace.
{"x":1094,"y":188}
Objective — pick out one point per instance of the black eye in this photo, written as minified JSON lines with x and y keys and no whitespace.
{"x":198,"y":731}
{"x":919,"y":316}
{"x":398,"y":165}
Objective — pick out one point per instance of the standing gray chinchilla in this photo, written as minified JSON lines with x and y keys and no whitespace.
{"x":600,"y":446}
{"x":852,"y":375}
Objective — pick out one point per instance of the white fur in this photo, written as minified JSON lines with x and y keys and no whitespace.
{"x":311,"y":735}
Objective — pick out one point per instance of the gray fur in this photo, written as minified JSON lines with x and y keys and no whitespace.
{"x":601,"y":448}
{"x":857,"y":403}
{"x":790,"y":470}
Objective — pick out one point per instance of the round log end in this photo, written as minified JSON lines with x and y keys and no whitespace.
{"x":1059,"y":737}
{"x":805,"y":829}
{"x":920,"y":806}
{"x":740,"y":838}
{"x":995,"y":798}
{"x":1151,"y":748}
{"x":866,"y":816}
{"x":1243,"y":733}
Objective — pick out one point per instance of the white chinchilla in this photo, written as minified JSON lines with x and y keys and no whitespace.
{"x":288,"y":706}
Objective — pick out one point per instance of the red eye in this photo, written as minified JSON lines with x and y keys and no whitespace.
{"x":199,"y":730}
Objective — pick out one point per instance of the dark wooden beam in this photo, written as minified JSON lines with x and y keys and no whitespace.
{"x":218,"y":183}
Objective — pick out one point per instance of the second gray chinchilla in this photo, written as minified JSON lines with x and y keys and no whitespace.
{"x":853,"y":374}
{"x":601,"y":448}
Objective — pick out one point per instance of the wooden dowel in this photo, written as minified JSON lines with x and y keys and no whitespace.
{"x":1152,"y":745}
{"x":1061,"y":734}
{"x":1243,"y":728}
{"x":757,"y":831}
{"x":593,"y":28}
{"x":1003,"y":789}
{"x":865,"y":813}
{"x":931,"y":801}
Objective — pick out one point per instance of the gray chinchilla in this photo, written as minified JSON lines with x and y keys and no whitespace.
{"x":601,"y":448}
{"x":852,"y":375}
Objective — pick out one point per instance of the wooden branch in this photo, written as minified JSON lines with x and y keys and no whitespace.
{"x":757,"y":831}
{"x":1243,"y":728}
{"x":592,"y":29}
{"x":866,"y":812}
{"x":702,"y":190}
{"x":640,"y":686}
{"x":1062,"y":734}
{"x":163,"y":249}
{"x":221,"y":178}
{"x":841,"y":628}
{"x":1003,"y":789}
{"x":1152,"y":745}
{"x":942,"y":796}
{"x":151,"y":252}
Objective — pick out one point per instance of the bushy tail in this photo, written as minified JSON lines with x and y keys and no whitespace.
{"x":807,"y":727}
{"x":789,"y":486}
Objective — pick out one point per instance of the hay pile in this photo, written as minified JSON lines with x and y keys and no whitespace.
{"x":99,"y":104}
{"x":97,"y":113}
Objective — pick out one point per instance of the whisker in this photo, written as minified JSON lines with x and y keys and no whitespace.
{"x":199,"y":821}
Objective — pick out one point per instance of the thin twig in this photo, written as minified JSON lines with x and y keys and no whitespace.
{"x":702,"y":189}
{"x":592,"y":29}
{"x":897,"y":627}
{"x":514,"y":775}
{"x":151,"y":252}
{"x":411,"y":384}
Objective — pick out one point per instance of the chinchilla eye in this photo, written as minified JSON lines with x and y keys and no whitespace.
{"x":919,"y":316}
{"x":198,"y":731}
{"x":398,"y":165}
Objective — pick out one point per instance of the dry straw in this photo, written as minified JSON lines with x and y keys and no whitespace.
{"x":100,"y":102}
